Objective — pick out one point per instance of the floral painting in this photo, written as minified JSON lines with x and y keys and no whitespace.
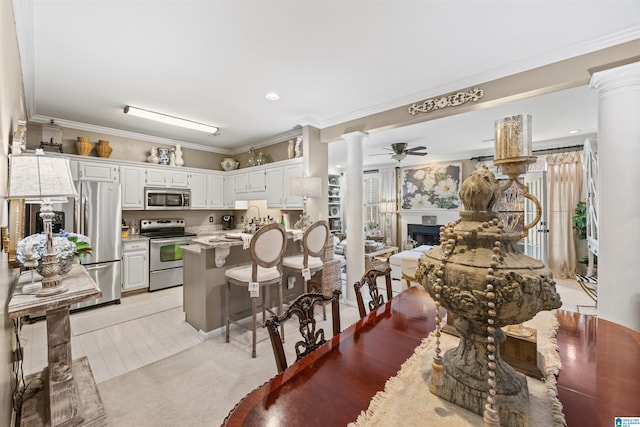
{"x":431,"y":187}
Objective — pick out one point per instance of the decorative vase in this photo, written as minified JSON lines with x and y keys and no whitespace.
{"x":83,"y":146}
{"x":163,"y":156}
{"x":153,"y":156}
{"x":103,"y":149}
{"x":229,"y":164}
{"x":291,"y":150}
{"x":179,"y":160}
{"x":479,"y":274}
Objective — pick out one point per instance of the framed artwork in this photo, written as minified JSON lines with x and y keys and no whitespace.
{"x":428,"y":187}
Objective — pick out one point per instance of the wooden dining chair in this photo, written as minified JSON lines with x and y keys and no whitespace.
{"x":369,"y":280}
{"x":303,"y":308}
{"x":266,"y":249}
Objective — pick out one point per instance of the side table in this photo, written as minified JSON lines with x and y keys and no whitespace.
{"x":379,"y":259}
{"x":69,"y":396}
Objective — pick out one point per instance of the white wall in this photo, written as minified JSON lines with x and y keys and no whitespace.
{"x":11,"y":110}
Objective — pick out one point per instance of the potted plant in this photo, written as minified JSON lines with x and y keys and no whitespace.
{"x":579,"y":219}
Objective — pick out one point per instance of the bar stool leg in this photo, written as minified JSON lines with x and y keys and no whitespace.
{"x":280,"y":308}
{"x":254,"y":309}
{"x":227,"y":314}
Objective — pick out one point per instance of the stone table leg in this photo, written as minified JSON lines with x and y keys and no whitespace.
{"x":62,"y":393}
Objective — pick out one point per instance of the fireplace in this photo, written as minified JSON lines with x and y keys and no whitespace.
{"x":424,"y":234}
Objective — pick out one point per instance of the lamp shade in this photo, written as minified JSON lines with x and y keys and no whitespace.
{"x":39,"y":177}
{"x":305,"y":186}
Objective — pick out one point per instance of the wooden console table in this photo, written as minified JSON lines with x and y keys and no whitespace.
{"x":69,"y":395}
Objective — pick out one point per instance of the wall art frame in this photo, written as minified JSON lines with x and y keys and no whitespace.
{"x":428,"y":187}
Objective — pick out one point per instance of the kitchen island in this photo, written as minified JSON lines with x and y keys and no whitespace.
{"x":205,"y":262}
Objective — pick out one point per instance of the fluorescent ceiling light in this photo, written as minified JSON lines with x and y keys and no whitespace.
{"x":171,"y":120}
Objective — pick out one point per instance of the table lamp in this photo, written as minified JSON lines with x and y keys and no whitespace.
{"x":44,"y":180}
{"x":305,"y":187}
{"x":388,"y":209}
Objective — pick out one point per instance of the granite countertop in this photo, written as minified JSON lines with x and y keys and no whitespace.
{"x":219,"y":240}
{"x":134,"y":237}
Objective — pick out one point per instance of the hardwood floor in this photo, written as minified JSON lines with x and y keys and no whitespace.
{"x":600,"y":376}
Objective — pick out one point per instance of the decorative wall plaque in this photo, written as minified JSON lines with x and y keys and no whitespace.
{"x":453,"y":100}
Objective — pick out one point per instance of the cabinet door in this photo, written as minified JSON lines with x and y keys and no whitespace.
{"x":257,"y":181}
{"x":241,"y":183}
{"x":156,"y":177}
{"x":178,"y":179}
{"x":132,"y":179}
{"x":135,"y":270}
{"x":229,"y":191}
{"x":89,"y":171}
{"x":275,"y":190}
{"x":199,"y":198}
{"x":291,"y":201}
{"x":215,"y":191}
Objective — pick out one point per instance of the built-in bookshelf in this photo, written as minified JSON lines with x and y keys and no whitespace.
{"x":335,"y":208}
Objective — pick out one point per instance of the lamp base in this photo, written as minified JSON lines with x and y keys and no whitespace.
{"x":51,"y":280}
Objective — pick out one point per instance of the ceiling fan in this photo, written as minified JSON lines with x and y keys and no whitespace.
{"x":401,"y":151}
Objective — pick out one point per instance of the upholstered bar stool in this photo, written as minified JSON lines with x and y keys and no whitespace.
{"x":314,"y":241}
{"x":266,"y":249}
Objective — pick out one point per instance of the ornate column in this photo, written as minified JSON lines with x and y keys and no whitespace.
{"x":619,"y":204}
{"x":354,"y":215}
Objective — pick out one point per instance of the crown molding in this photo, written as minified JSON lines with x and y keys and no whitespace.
{"x":294,"y":133}
{"x":126,"y":134}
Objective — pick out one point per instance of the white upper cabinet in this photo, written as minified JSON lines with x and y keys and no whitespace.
{"x":291,"y":201}
{"x":90,"y":171}
{"x":215,"y":191}
{"x":198,"y":188}
{"x":158,"y":177}
{"x":132,"y":179}
{"x":275,"y":190}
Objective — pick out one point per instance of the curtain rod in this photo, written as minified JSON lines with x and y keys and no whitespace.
{"x":544,"y":150}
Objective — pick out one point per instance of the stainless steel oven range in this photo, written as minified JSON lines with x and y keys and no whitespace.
{"x":166,"y":237}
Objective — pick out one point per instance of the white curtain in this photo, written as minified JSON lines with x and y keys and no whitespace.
{"x":387,"y":193}
{"x":564,"y":174}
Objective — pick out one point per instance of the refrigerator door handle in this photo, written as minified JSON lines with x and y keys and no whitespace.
{"x":85,"y":217}
{"x":97,"y":267}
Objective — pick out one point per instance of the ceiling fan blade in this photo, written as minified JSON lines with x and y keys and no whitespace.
{"x":416,"y":149}
{"x":416,"y":154}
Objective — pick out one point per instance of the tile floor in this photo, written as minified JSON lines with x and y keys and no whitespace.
{"x":148,"y":327}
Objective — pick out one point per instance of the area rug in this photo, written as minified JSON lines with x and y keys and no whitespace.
{"x":407,"y":401}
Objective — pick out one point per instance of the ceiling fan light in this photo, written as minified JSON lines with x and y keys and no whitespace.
{"x":171,"y":120}
{"x":399,"y":157}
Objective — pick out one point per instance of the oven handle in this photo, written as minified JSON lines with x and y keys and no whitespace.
{"x":165,"y":241}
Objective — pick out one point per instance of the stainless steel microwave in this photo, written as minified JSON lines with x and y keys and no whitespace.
{"x":166,"y":198}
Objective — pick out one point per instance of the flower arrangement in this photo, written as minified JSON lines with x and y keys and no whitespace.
{"x":65,"y":245}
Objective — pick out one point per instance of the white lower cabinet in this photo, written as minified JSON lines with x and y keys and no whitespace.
{"x":135,"y":264}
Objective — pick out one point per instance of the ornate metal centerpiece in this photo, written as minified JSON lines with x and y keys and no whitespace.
{"x":479,"y":274}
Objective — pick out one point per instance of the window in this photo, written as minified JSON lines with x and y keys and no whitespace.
{"x":371,"y":198}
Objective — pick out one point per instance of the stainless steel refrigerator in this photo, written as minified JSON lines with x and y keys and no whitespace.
{"x":97,"y":214}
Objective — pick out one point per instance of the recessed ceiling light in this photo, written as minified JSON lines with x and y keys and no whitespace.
{"x":272,"y":96}
{"x":573,"y":132}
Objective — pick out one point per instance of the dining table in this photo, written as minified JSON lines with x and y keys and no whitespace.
{"x":335,"y":383}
